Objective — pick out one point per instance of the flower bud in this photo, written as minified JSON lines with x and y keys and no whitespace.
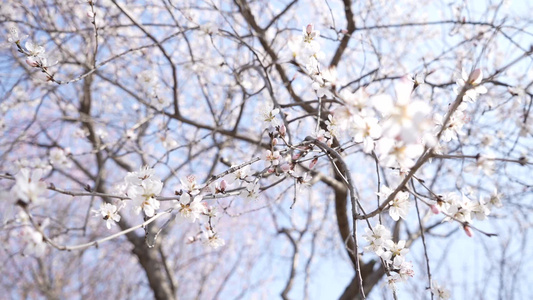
{"x":475,"y":77}
{"x":223,"y":185}
{"x":435,"y":209}
{"x":313,"y":163}
{"x":282,"y":130}
{"x":274,"y":142}
{"x":309,"y":28}
{"x":32,"y":62}
{"x":90,"y":14}
{"x":295,"y":156}
{"x":468,"y":231}
{"x":285,"y":167}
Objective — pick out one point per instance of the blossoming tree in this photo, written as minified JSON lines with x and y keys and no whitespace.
{"x":260,"y":149}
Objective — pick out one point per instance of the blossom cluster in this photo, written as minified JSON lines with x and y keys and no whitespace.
{"x":243,"y":176}
{"x":393,"y":254}
{"x":397,"y":129}
{"x":465,"y":210}
{"x":59,"y":159}
{"x":307,"y":48}
{"x":143,"y":187}
{"x":406,"y":127}
{"x":35,"y":54}
{"x":29,"y":190}
{"x":281,"y":162}
{"x":31,"y":239}
{"x":191,"y":207}
{"x":454,"y":127}
{"x":109,"y":212}
{"x":399,"y":206}
{"x":268,"y":116}
{"x":471,"y":86}
{"x":28,"y":186}
{"x":149,"y":82}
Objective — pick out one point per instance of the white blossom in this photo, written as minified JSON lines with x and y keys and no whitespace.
{"x":272,"y":156}
{"x":404,"y":119}
{"x":324,"y":82}
{"x":251,"y":191}
{"x":399,"y":206}
{"x":109,"y":212}
{"x":322,"y":87}
{"x":13,"y":35}
{"x":333,"y":127}
{"x":453,"y":128}
{"x":190,"y":185}
{"x":32,"y":241}
{"x":439,"y":291}
{"x":480,"y":210}
{"x":460,"y":210}
{"x":357,"y":101}
{"x":310,"y":47}
{"x":310,"y":34}
{"x":58,"y":158}
{"x":34,"y":49}
{"x":471,"y":82}
{"x":405,"y":270}
{"x":143,"y":187}
{"x":143,"y":196}
{"x":148,"y":79}
{"x":484,"y":163}
{"x":191,"y":209}
{"x":395,"y":152}
{"x":212,"y":240}
{"x":495,"y":199}
{"x":101,"y":133}
{"x":376,"y":238}
{"x":28,"y":186}
{"x":394,"y":250}
{"x":168,"y":142}
{"x":267,"y":115}
{"x":322,"y":136}
{"x":239,"y":175}
{"x":136,"y":178}
{"x":366,"y":130}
